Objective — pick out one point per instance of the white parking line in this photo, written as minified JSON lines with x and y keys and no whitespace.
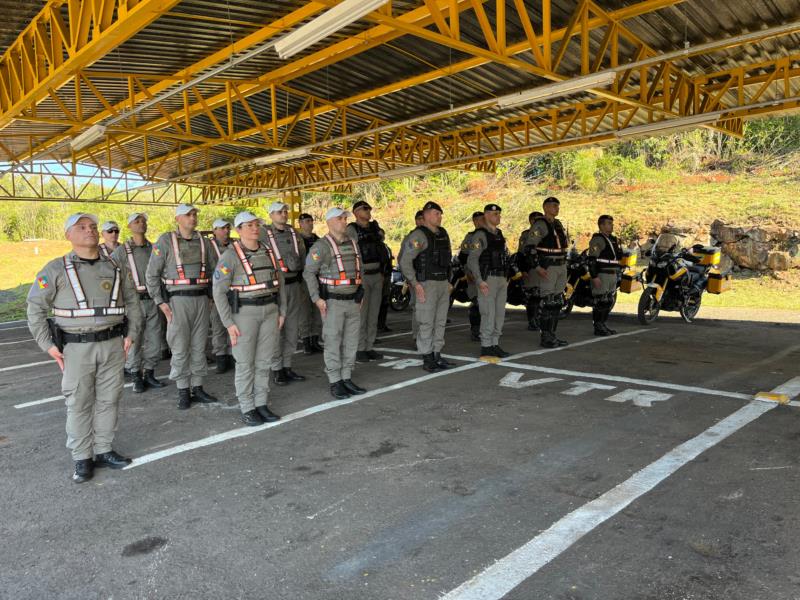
{"x":25,"y":366}
{"x":16,"y":342}
{"x":507,"y":573}
{"x":12,"y":328}
{"x":51,"y":399}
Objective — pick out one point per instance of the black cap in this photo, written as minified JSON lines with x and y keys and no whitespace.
{"x":535,"y":214}
{"x":430,"y":205}
{"x":476,"y":214}
{"x":551,"y":200}
{"x":361,"y":204}
{"x":489,"y":207}
{"x":304,"y":216}
{"x":418,"y":214}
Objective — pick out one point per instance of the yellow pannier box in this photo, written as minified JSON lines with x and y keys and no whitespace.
{"x":628,"y":259}
{"x":708,"y":255}
{"x":718,"y":283}
{"x":629,"y":282}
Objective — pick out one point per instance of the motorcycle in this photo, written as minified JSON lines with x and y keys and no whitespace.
{"x":676,"y":279}
{"x":399,"y":292}
{"x":579,"y":283}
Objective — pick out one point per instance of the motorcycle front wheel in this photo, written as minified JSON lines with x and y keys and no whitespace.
{"x":648,"y":307}
{"x":689,"y":311}
{"x":398,"y":300}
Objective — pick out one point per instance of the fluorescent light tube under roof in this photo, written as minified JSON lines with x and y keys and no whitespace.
{"x":399,"y":172}
{"x":331,"y":21}
{"x":666,"y":125}
{"x":271,"y":159}
{"x":88,"y":137}
{"x":556,"y":90}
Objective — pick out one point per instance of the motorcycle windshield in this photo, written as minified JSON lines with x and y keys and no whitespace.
{"x":667,"y":242}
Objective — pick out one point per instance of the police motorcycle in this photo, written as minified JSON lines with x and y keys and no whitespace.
{"x":676,"y":278}
{"x":579,"y":282}
{"x":399,"y":292}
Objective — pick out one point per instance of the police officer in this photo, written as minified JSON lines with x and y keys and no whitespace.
{"x":472,"y":290}
{"x":310,"y":327}
{"x":546,"y":250}
{"x":366,"y":232}
{"x":386,"y":290}
{"x":488,"y":262}
{"x":249,"y":297}
{"x":178,"y":279}
{"x":531,"y":280}
{"x":418,"y":221}
{"x":604,"y":254}
{"x":220,"y":342}
{"x":146,"y":349}
{"x":89,"y":296}
{"x":425,"y":263}
{"x":290,"y":253}
{"x":333,"y":275}
{"x":109,"y":231}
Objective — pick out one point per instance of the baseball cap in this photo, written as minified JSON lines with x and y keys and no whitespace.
{"x":184,"y":209}
{"x":430,"y":205}
{"x":361,"y":204}
{"x":74,"y":218}
{"x":278,"y":207}
{"x":243,"y":217}
{"x":133,"y":216}
{"x":109,"y":225}
{"x":491,"y":207}
{"x":336,"y":212}
{"x":219,"y":223}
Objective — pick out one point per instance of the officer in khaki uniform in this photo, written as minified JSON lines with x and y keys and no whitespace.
{"x":290,"y":253}
{"x":178,"y":279}
{"x":333,"y":275}
{"x":89,"y":296}
{"x":418,"y":221}
{"x":369,"y":236}
{"x":146,"y":349}
{"x":310,"y":327}
{"x":109,"y":231}
{"x":531,"y":280}
{"x":546,"y":252}
{"x":220,"y":342}
{"x":604,"y":253}
{"x":472,"y":290}
{"x":249,"y":296}
{"x":488,"y":263}
{"x":425,"y":263}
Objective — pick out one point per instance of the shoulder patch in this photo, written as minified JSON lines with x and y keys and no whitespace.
{"x":42,"y":281}
{"x":156,"y":250}
{"x":414,"y":243}
{"x":315,"y":256}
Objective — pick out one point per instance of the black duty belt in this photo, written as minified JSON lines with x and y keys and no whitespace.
{"x":200,"y":292}
{"x":441,"y":277}
{"x":373,"y":271}
{"x":496,"y":273}
{"x":259,"y":300}
{"x":609,"y":270}
{"x":293,"y":279}
{"x":94,"y":336}
{"x":332,"y":296}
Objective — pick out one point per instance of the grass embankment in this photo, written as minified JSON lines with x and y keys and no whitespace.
{"x":19,"y":263}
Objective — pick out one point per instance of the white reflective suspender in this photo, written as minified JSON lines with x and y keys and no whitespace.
{"x":343,"y":279}
{"x":132,"y":265}
{"x":215,"y":245}
{"x":276,"y":251}
{"x":253,"y":284}
{"x":607,"y":261}
{"x":83,"y":309}
{"x":182,"y":279}
{"x":104,"y":251}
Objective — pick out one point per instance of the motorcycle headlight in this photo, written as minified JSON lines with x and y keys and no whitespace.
{"x":661,"y":264}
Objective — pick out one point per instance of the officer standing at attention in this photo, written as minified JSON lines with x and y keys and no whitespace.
{"x":333,"y":275}
{"x":110,"y":234}
{"x":472,"y":290}
{"x":146,"y":349}
{"x":178,"y":281}
{"x":290,"y":253}
{"x":250,"y":298}
{"x":488,"y":262}
{"x":220,"y":342}
{"x":418,"y":221}
{"x":366,"y":232}
{"x":425,"y":263}
{"x":89,"y":296}
{"x":531,"y":281}
{"x":604,"y":254}
{"x":546,"y":251}
{"x":310,"y":327}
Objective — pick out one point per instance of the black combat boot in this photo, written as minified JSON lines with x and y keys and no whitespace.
{"x":553,"y":326}
{"x":138,"y":382}
{"x":532,"y":310}
{"x":353,"y":388}
{"x":374,"y":355}
{"x":84,"y":470}
{"x":443,"y":363}
{"x":279,"y":377}
{"x":429,"y":363}
{"x":307,"y":349}
{"x":548,"y":332}
{"x":127,"y":374}
{"x":112,"y":460}
{"x":339,"y":391}
{"x":362,"y":356}
{"x":252,"y":418}
{"x":200,"y":395}
{"x":184,"y":398}
{"x":222,"y":363}
{"x":487,"y":351}
{"x":315,"y":346}
{"x":150,"y":379}
{"x":292,"y":376}
{"x":382,"y":314}
{"x":499,"y":352}
{"x":267,"y":414}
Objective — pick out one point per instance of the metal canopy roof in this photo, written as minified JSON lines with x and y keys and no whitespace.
{"x":381,"y":95}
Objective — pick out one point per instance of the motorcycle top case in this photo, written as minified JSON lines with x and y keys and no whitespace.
{"x":708,"y":255}
{"x":629,"y":283}
{"x":628,"y":259}
{"x":718,"y":283}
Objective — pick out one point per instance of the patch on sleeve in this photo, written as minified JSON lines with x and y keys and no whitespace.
{"x":42,"y":281}
{"x":156,"y":250}
{"x":414,"y":243}
{"x":476,"y":245}
{"x":223,"y":268}
{"x":315,"y":255}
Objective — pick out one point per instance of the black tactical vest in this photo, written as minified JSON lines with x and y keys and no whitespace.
{"x":556,"y":236}
{"x":493,"y":259}
{"x":433,"y":263}
{"x":310,"y":241}
{"x":612,"y":250}
{"x":369,"y":243}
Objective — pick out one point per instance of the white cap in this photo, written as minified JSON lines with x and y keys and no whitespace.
{"x":184,"y":209}
{"x":219,"y":223}
{"x":133,"y":216}
{"x":109,"y":225}
{"x":278,"y":207}
{"x":244,"y":217}
{"x":72,"y":219}
{"x":336,"y":212}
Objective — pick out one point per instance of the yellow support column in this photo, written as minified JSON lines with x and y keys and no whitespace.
{"x":294,"y":199}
